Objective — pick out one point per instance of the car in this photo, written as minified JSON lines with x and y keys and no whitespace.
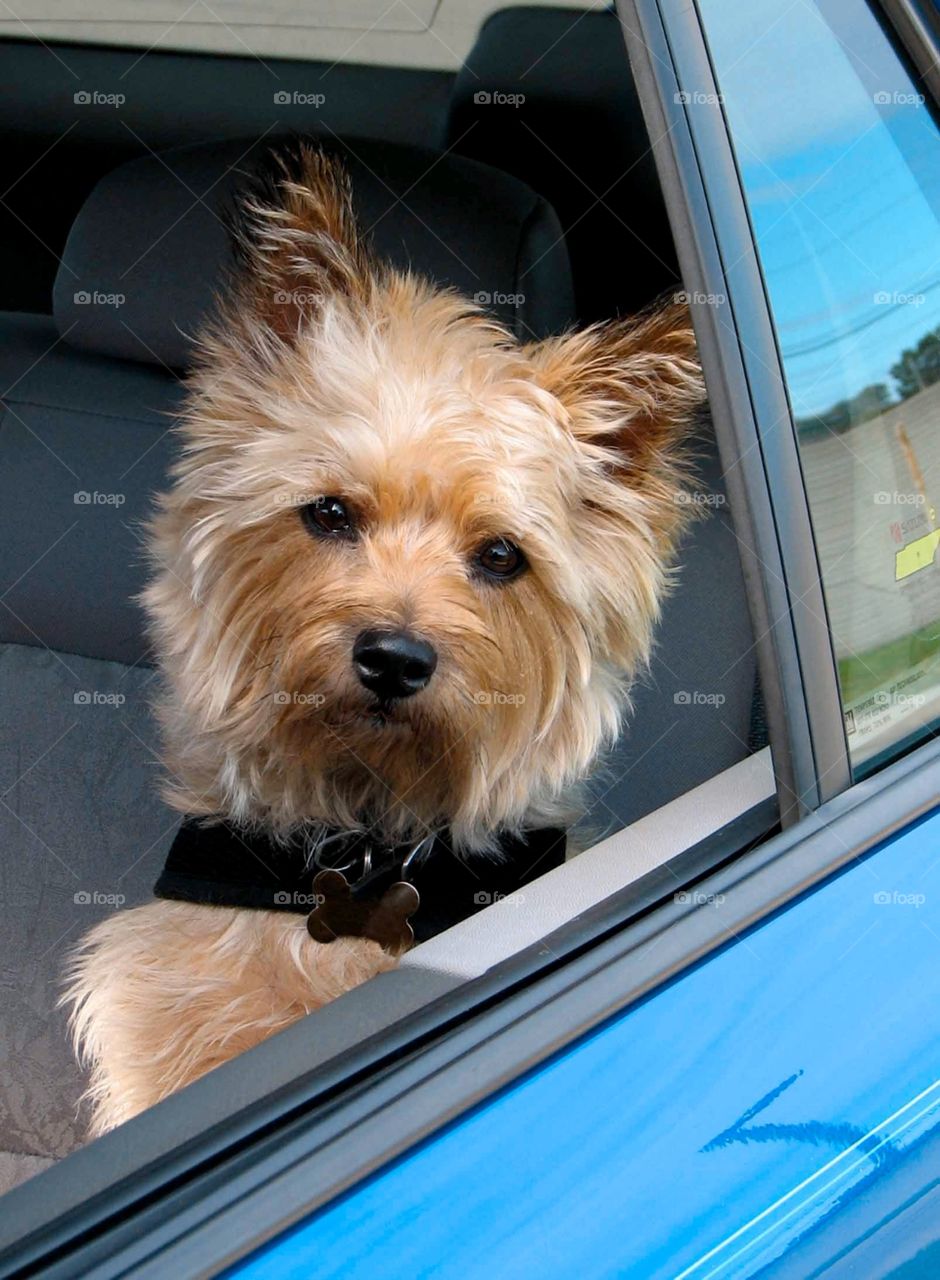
{"x":705,"y":1045}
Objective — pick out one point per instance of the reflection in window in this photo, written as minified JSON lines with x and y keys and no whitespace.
{"x":840,"y":159}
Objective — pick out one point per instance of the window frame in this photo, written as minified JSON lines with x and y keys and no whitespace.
{"x":913,"y":33}
{"x":750,"y":406}
{"x":917,"y":28}
{"x":754,"y":422}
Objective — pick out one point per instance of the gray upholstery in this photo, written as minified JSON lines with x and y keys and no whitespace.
{"x":577,"y":137}
{"x":149,"y":247}
{"x":51,"y":142}
{"x":15,"y":1167}
{"x":692,"y":710}
{"x":85,"y":442}
{"x":81,"y":825}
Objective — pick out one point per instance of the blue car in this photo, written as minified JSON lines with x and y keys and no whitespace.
{"x":708,"y":1045}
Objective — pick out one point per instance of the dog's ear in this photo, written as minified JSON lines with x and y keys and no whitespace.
{"x":296,"y":242}
{"x":630,"y":389}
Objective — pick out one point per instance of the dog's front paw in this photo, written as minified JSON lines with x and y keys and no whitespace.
{"x":164,"y":993}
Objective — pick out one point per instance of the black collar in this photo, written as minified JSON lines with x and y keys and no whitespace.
{"x":217,"y":863}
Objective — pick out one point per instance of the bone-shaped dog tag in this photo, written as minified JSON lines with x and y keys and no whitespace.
{"x":384,"y":920}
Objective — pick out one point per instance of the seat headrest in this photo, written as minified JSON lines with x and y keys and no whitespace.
{"x":580,"y":113}
{"x":150,"y":245}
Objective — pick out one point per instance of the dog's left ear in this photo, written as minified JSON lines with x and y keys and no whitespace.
{"x":629,"y":389}
{"x":296,"y":243}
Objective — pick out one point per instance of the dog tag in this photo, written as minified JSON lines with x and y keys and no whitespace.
{"x":384,"y":920}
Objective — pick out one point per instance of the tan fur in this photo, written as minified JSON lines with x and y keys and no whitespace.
{"x":327,"y":373}
{"x":171,"y":990}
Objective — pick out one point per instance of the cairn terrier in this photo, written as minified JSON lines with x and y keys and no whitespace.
{"x":404,"y":576}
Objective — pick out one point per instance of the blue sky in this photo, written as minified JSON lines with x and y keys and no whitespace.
{"x":844,"y":189}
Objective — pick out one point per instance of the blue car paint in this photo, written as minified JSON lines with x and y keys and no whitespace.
{"x":702,"y":1133}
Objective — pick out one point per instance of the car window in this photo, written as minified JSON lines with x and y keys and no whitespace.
{"x":839,"y":157}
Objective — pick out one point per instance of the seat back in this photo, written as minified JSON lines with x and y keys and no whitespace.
{"x":547,"y":95}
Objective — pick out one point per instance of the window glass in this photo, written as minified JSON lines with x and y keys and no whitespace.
{"x":840,"y":160}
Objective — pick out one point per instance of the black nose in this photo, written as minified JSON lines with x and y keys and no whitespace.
{"x":393,"y":664}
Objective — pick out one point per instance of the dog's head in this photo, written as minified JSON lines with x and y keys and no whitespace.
{"x":409,"y":565}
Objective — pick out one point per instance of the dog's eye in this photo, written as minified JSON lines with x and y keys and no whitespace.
{"x":328,"y":518}
{"x":501,"y":559}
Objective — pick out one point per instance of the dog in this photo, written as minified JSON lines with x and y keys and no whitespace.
{"x":407,"y":570}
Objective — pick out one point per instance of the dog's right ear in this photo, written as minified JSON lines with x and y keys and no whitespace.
{"x":296,"y":244}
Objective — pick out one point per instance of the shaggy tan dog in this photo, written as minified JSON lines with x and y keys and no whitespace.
{"x":364,"y":455}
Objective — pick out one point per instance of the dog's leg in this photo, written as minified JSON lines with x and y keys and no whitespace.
{"x":164,"y":993}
